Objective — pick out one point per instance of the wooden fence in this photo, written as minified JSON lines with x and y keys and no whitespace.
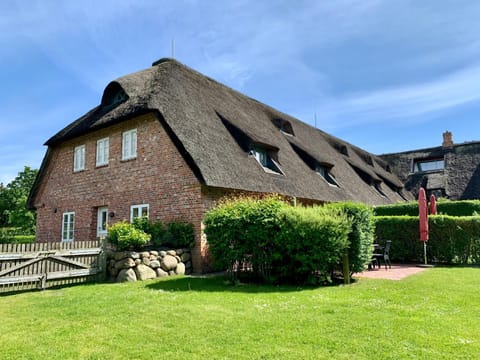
{"x":43,"y":265}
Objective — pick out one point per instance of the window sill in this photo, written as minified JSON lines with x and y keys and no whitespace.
{"x":101,"y":166}
{"x":128,"y":159}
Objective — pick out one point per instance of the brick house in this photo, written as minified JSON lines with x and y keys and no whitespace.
{"x":168,"y":142}
{"x":449,"y":171}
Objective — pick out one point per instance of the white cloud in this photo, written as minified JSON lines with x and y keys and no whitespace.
{"x":411,"y":103}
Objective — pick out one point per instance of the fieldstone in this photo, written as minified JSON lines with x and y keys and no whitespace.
{"x":120,"y":255}
{"x":112,"y":271}
{"x":186,"y":257}
{"x":126,"y":275}
{"x":161,"y":273}
{"x":153,"y":257}
{"x":155,"y":264}
{"x":144,"y":254}
{"x":188,"y":264}
{"x":179,"y":252}
{"x":162,"y":253}
{"x":146,"y":261}
{"x":125,"y":264}
{"x":169,"y":263}
{"x":171,"y":252}
{"x":138,"y":261}
{"x":188,"y":271}
{"x":171,"y":272}
{"x":180,"y":269}
{"x":134,"y":255}
{"x":145,"y":272}
{"x":154,"y":253}
{"x":178,"y":258}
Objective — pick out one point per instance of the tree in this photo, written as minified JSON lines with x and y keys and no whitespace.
{"x":13,"y":201}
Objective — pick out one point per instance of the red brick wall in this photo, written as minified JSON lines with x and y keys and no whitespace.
{"x":158,"y":176}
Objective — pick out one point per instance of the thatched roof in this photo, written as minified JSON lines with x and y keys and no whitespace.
{"x":216,"y":127}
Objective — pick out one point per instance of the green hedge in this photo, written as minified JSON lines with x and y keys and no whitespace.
{"x":15,"y":236}
{"x":362,"y":233}
{"x":452,"y":239}
{"x":444,"y":207}
{"x":288,"y":244}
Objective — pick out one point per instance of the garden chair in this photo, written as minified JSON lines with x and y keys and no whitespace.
{"x":385,"y":257}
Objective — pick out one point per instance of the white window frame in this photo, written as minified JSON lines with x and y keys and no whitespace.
{"x":139,"y":211}
{"x":265,"y":160}
{"x":102,"y":151}
{"x":326,"y":175}
{"x":102,"y":221}
{"x":129,"y":144}
{"x":79,"y":158}
{"x":68,"y":226}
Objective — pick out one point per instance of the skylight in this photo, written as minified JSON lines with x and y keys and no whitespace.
{"x":284,"y":126}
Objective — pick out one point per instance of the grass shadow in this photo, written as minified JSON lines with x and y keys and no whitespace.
{"x":221,"y":283}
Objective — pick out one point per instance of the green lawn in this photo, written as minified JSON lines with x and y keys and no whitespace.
{"x":432,"y":315}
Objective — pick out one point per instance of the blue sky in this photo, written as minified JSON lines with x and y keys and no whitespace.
{"x":387,"y":76}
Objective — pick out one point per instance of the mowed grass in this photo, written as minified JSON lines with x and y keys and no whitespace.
{"x":432,"y":315}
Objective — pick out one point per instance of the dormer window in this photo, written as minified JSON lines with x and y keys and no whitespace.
{"x":264,"y":158}
{"x":341,"y":148}
{"x":377,"y":185}
{"x":422,"y":165}
{"x":324,"y":172}
{"x":113,"y":95}
{"x":284,"y":126}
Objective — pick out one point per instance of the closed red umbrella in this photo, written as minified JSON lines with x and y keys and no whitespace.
{"x":423,"y":220}
{"x":433,"y":205}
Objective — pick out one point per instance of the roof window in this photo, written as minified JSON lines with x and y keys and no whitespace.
{"x":284,"y":126}
{"x":421,"y":165}
{"x":324,"y":172}
{"x":113,"y":95}
{"x":341,"y":148}
{"x":264,"y":157}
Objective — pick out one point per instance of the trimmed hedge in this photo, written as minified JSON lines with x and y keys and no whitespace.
{"x":362,"y":233}
{"x":285,"y":244}
{"x":15,"y":236}
{"x":452,"y":239}
{"x":444,"y":207}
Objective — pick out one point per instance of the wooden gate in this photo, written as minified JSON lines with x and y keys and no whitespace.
{"x":43,"y":265}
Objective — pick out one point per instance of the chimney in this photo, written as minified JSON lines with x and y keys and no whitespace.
{"x":447,"y":140}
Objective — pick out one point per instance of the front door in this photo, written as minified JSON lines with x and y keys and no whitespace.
{"x":102,"y":220}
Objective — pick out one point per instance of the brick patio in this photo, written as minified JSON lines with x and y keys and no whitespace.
{"x":397,"y":272}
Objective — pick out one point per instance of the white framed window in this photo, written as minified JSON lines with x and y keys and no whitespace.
{"x":68,"y":224}
{"x":139,"y":211}
{"x":263,"y":157}
{"x":79,"y":158}
{"x":129,"y":144}
{"x":325,"y":173}
{"x":102,"y":151}
{"x":102,"y":221}
{"x":428,"y":165}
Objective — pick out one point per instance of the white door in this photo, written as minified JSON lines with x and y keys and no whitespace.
{"x":102,"y":220}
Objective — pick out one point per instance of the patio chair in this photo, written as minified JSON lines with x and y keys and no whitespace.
{"x":376,"y":258}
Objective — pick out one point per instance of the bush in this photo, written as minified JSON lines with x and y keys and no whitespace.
{"x":127,"y":236}
{"x":452,"y":239}
{"x":310,"y":244}
{"x":156,"y":230}
{"x":278,"y":242}
{"x":16,"y":236}
{"x":444,"y":207}
{"x":179,"y":234}
{"x":362,"y":234}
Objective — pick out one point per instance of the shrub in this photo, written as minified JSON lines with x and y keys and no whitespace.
{"x":452,"y":239}
{"x":179,"y":234}
{"x":241,"y":231}
{"x":127,"y":236}
{"x":310,"y":244}
{"x":362,"y":234}
{"x":13,"y":235}
{"x":156,"y":230}
{"x":444,"y":207}
{"x":280,"y":243}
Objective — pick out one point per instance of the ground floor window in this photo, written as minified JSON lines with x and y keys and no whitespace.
{"x":102,"y":221}
{"x":68,"y":224}
{"x":139,"y":211}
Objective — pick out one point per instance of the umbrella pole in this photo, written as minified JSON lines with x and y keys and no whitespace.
{"x":425,"y":251}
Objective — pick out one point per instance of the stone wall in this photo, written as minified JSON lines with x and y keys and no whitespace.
{"x":132,"y":266}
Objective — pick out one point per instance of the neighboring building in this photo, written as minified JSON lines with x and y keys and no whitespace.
{"x":168,"y":142}
{"x":450,"y":171}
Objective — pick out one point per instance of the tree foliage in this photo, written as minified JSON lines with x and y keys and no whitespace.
{"x":13,"y":201}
